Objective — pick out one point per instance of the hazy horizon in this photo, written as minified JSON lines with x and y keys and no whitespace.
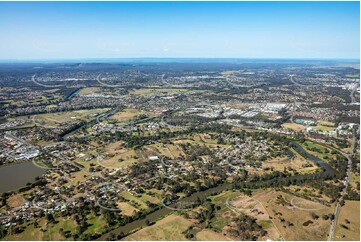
{"x":176,"y":60}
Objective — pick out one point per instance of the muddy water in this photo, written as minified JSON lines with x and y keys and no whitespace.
{"x":13,"y":177}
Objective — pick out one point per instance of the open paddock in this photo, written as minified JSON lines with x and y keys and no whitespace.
{"x":168,"y":228}
{"x":348,"y":223}
{"x":293,"y":215}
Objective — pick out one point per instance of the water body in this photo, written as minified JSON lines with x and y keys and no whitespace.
{"x":13,"y":177}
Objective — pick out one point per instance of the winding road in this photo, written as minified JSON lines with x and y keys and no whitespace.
{"x":344,"y":191}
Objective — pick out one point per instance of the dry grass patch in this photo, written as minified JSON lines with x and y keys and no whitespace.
{"x":129,"y":196}
{"x":209,"y":235}
{"x":127,"y":209}
{"x":169,"y":228}
{"x":118,"y":156}
{"x":252,"y":207}
{"x":293,"y":126}
{"x":127,"y":115}
{"x":156,"y":91}
{"x":88,"y":90}
{"x":169,"y":150}
{"x":298,"y":164}
{"x":293,"y":215}
{"x":348,"y":223}
{"x":16,"y":200}
{"x":56,"y":119}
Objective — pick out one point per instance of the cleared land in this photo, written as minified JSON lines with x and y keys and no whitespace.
{"x":127,"y":115}
{"x":293,"y":215}
{"x":299,"y":164}
{"x":155,"y":91}
{"x":235,"y":203}
{"x":127,"y":209}
{"x":209,"y":235}
{"x":46,"y":230}
{"x":293,"y":126}
{"x":56,"y":119}
{"x":117,"y":156}
{"x":88,"y":90}
{"x":169,"y":228}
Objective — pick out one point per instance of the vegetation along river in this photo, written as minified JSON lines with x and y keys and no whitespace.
{"x":156,"y":215}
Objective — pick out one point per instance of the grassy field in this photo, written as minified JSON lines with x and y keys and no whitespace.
{"x":126,"y":208}
{"x":124,"y":157}
{"x":280,"y":163}
{"x":48,"y":97}
{"x":56,"y":119}
{"x":232,"y":204}
{"x":254,"y":208}
{"x":348,"y":230}
{"x":322,"y":150}
{"x":226,"y":73}
{"x":155,"y":91}
{"x":169,"y":228}
{"x":354,"y":76}
{"x":16,"y":200}
{"x":324,"y":128}
{"x":293,"y":126}
{"x":88,"y":90}
{"x":199,"y":139}
{"x":220,"y":220}
{"x":169,"y":150}
{"x":127,"y":115}
{"x":50,"y":231}
{"x":96,"y":224}
{"x":151,"y":199}
{"x":30,"y":234}
{"x":118,"y":156}
{"x":130,"y":196}
{"x":354,"y":178}
{"x":327,"y":123}
{"x":209,"y":235}
{"x":77,"y":177}
{"x":308,"y":191}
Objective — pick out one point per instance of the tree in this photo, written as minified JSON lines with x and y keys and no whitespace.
{"x":50,"y":217}
{"x":314,"y":216}
{"x":147,"y":222}
{"x":2,"y":231}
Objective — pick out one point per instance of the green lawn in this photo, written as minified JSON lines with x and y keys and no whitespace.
{"x":318,"y":150}
{"x":96,"y":224}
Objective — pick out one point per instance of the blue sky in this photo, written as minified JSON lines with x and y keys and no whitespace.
{"x":66,"y":30}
